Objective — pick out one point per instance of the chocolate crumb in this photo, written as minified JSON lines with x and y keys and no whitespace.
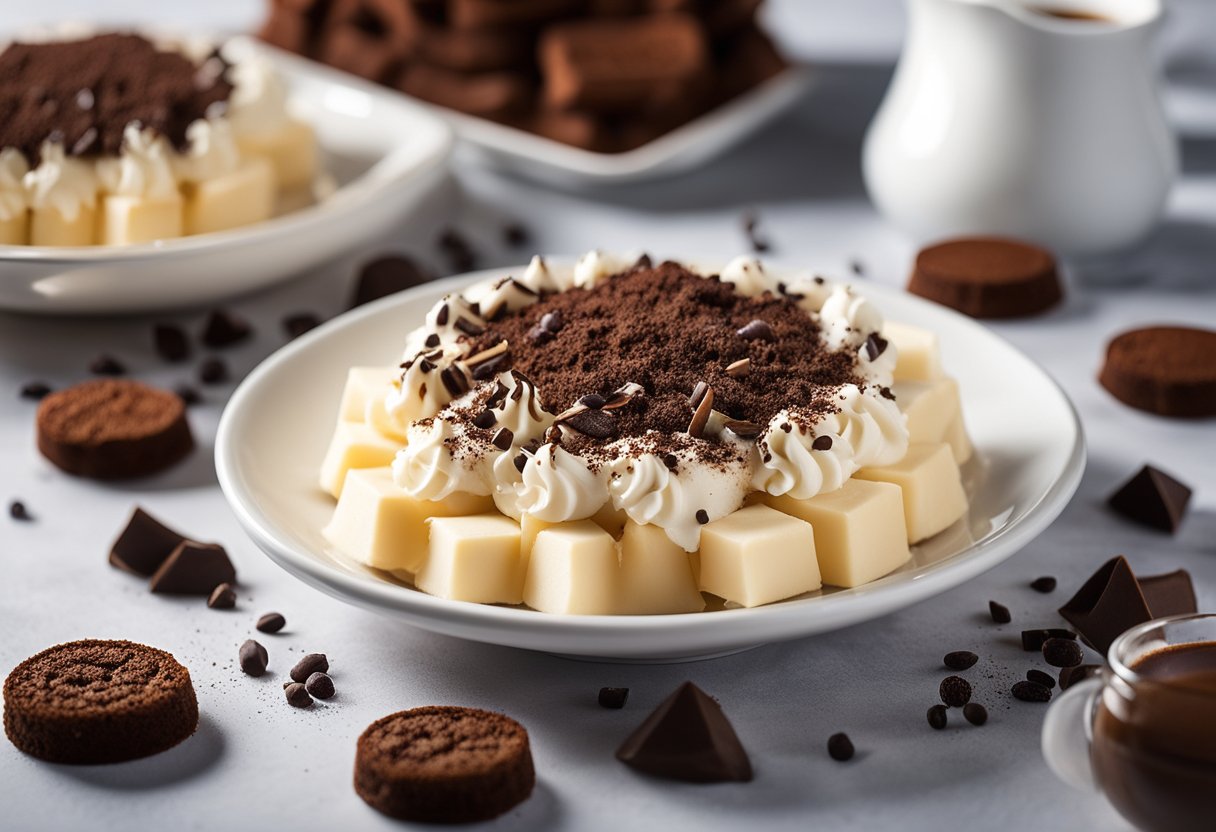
{"x":702,"y":516}
{"x":171,"y":343}
{"x":271,"y":622}
{"x":35,"y":390}
{"x":1044,"y":584}
{"x":937,"y":716}
{"x":975,"y":713}
{"x":613,"y":698}
{"x":106,"y":365}
{"x":1031,"y":692}
{"x":1044,"y":679}
{"x":955,"y":691}
{"x":999,"y":612}
{"x":960,"y":660}
{"x":223,"y":597}
{"x":213,"y":371}
{"x":840,"y":747}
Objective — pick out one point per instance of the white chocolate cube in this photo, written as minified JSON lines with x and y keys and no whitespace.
{"x":354,"y":445}
{"x":137,"y":219}
{"x":611,"y":520}
{"x":363,"y":399}
{"x":529,"y":528}
{"x":959,"y":441}
{"x":919,"y":353}
{"x":379,"y":525}
{"x":656,"y":574}
{"x":758,"y":555}
{"x":931,"y":407}
{"x":242,"y":197}
{"x":291,"y":150}
{"x":48,"y":227}
{"x":473,"y":558}
{"x":15,"y":231}
{"x":860,"y":533}
{"x":932,"y":491}
{"x":573,"y":570}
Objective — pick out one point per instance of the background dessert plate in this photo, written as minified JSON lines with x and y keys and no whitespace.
{"x":385,"y":153}
{"x":1030,"y":454}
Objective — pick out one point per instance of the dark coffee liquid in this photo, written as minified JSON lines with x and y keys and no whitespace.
{"x":1154,"y":752}
{"x":1066,"y":14}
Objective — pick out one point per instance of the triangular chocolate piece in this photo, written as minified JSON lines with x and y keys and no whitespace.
{"x":1107,"y":605}
{"x":1169,"y":594}
{"x":144,"y":544}
{"x":687,"y":738}
{"x":1152,"y":498}
{"x":193,"y":569}
{"x":386,"y":276}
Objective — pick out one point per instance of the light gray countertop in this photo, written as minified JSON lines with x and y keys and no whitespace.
{"x":257,"y":763}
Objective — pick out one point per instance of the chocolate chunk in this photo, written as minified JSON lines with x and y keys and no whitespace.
{"x":756,"y":330}
{"x":1152,"y":498}
{"x":35,"y":390}
{"x":271,"y":622}
{"x":1044,"y":679}
{"x":840,"y":747}
{"x":253,"y":658}
{"x":594,"y":423}
{"x":223,"y":597}
{"x":503,"y":438}
{"x":987,"y":277}
{"x":999,"y":612}
{"x":955,"y":691}
{"x":106,"y":365}
{"x":702,"y":516}
{"x":822,"y":443}
{"x":1032,"y":640}
{"x":223,"y":329}
{"x":299,"y":323}
{"x":1031,"y":692}
{"x":456,"y":248}
{"x":552,"y":322}
{"x":1169,"y":594}
{"x":144,"y":544}
{"x":18,"y":511}
{"x":521,"y":459}
{"x":319,"y":685}
{"x":623,"y":395}
{"x":213,"y":371}
{"x":613,"y":698}
{"x":688,"y":738}
{"x":454,"y":380}
{"x":297,"y":695}
{"x":1062,"y":652}
{"x":875,"y":346}
{"x":960,"y":660}
{"x":1108,"y":604}
{"x":975,"y":713}
{"x":937,"y":716}
{"x":171,"y":342}
{"x":485,"y":419}
{"x":1044,"y":584}
{"x":385,"y":276}
{"x":1167,"y":370}
{"x":309,"y":664}
{"x":188,"y":395}
{"x":193,"y":569}
{"x":702,"y":410}
{"x":1069,"y":676}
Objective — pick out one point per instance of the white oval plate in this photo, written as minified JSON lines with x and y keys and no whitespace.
{"x":1029,"y":458}
{"x":385,"y":152}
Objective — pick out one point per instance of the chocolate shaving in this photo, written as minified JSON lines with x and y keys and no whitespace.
{"x":455,"y":381}
{"x":743,"y":428}
{"x":739,"y":369}
{"x":594,"y":423}
{"x":503,"y":439}
{"x":700,"y":416}
{"x":875,"y":346}
{"x":623,"y":395}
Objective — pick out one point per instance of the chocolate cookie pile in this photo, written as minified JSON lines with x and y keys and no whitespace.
{"x":605,"y":75}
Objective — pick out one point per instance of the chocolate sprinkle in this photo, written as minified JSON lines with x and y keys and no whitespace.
{"x":875,"y":346}
{"x":503,"y":439}
{"x":171,"y":342}
{"x":223,"y":329}
{"x":485,"y":419}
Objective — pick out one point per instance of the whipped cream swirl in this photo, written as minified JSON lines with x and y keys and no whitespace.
{"x":62,"y":183}
{"x":556,"y":485}
{"x":142,"y":169}
{"x":212,"y":151}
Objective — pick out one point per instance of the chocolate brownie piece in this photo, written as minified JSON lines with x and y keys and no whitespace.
{"x":487,"y":94}
{"x":476,"y":50}
{"x":392,"y":22}
{"x":295,"y":25}
{"x":1167,"y":370}
{"x":113,"y":429}
{"x":90,"y":702}
{"x":444,"y":765}
{"x":489,"y":14}
{"x":988,"y":277}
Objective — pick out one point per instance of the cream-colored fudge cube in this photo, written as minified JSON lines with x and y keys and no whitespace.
{"x":291,"y":150}
{"x":354,"y":445}
{"x":573,"y":570}
{"x":919,"y":353}
{"x":860,"y":534}
{"x":656,"y":575}
{"x":529,"y":528}
{"x":242,"y":197}
{"x":48,"y":227}
{"x":473,"y":558}
{"x":136,"y":219}
{"x":758,"y":555}
{"x":932,"y":490}
{"x":15,"y":231}
{"x":959,"y":441}
{"x":379,"y":525}
{"x":931,"y":407}
{"x":363,"y":399}
{"x":611,"y":520}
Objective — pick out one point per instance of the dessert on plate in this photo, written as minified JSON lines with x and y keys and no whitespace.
{"x":621,"y":437}
{"x":115,"y":139}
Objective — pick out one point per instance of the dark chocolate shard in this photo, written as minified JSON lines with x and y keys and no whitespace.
{"x":1170,"y":594}
{"x":688,"y":738}
{"x":594,"y":423}
{"x":144,"y":544}
{"x":1152,"y":498}
{"x":386,"y":276}
{"x":193,"y":569}
{"x":1107,"y":605}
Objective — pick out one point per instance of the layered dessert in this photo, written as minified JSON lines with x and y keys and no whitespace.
{"x":619,"y":437}
{"x":114,"y":139}
{"x":603,"y":75}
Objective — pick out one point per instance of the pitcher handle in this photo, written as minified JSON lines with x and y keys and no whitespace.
{"x":1066,"y":735}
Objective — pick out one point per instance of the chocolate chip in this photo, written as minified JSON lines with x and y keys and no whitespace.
{"x":955,"y":691}
{"x":455,"y":381}
{"x":613,"y":698}
{"x":193,"y":569}
{"x":35,"y":390}
{"x":1069,"y":676}
{"x":999,"y":612}
{"x":456,"y":248}
{"x":552,"y":322}
{"x":18,"y":511}
{"x":699,"y":391}
{"x":1044,"y":584}
{"x":739,"y":369}
{"x":223,"y":329}
{"x":975,"y":713}
{"x":271,"y":622}
{"x":521,"y":459}
{"x":840,"y":747}
{"x":1031,"y":692}
{"x":594,"y":423}
{"x":106,"y":365}
{"x":671,"y":461}
{"x":188,"y":395}
{"x":960,"y":660}
{"x":309,"y":664}
{"x":171,"y":342}
{"x":1032,"y":640}
{"x":1044,"y":679}
{"x":253,"y":658}
{"x":822,"y":443}
{"x":385,"y":276}
{"x":756,"y":330}
{"x":1062,"y":652}
{"x":432,"y":340}
{"x":468,"y":327}
{"x":503,"y":438}
{"x":297,"y":695}
{"x":539,"y":335}
{"x":593,"y":401}
{"x":937,"y":717}
{"x":702,"y":516}
{"x":213,"y":371}
{"x":515,"y":235}
{"x":485,"y":419}
{"x":875,"y":346}
{"x":320,"y":685}
{"x":223,"y":597}
{"x":299,"y":323}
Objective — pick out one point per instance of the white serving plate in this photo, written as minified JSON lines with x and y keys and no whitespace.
{"x":385,"y":153}
{"x":1030,"y":455}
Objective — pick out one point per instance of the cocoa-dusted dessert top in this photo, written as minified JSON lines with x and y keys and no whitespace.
{"x":84,"y":93}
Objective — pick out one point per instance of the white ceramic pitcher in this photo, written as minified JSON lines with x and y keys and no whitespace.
{"x":1003,"y":118}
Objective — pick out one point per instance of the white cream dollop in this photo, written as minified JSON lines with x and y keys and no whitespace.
{"x":556,"y":486}
{"x":143,"y":167}
{"x":59,"y":182}
{"x":519,"y":409}
{"x":500,"y":296}
{"x":420,"y":393}
{"x":451,"y":317}
{"x":426,"y":469}
{"x":543,"y":276}
{"x":747,"y":275}
{"x":258,"y":104}
{"x":212,"y":151}
{"x":13,"y":168}
{"x":594,"y":267}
